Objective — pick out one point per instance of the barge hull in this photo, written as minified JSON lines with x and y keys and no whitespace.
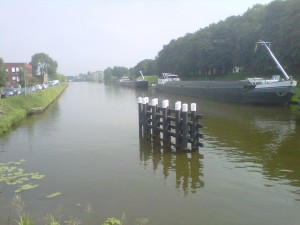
{"x":238,"y":91}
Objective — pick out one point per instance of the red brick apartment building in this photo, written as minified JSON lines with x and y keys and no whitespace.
{"x":13,"y":70}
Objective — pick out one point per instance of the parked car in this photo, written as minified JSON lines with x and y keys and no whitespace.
{"x":17,"y":91}
{"x":45,"y":86}
{"x":38,"y":87}
{"x":8,"y":92}
{"x":32,"y":88}
{"x":53,"y":82}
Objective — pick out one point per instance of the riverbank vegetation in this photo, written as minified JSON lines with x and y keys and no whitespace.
{"x":17,"y":215}
{"x":15,"y":108}
{"x":151,"y":79}
{"x":296,"y":97}
{"x":229,"y":45}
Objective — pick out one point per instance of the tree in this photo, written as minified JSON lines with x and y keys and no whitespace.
{"x":147,"y":66}
{"x":43,"y":64}
{"x":3,"y":75}
{"x":59,"y":76}
{"x":108,"y":75}
{"x":215,"y":50}
{"x":22,"y":78}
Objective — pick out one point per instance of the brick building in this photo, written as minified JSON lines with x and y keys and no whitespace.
{"x":13,"y":69}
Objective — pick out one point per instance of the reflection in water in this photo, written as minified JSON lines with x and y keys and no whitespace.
{"x":268,"y":142}
{"x":256,"y":138}
{"x":186,"y":167}
{"x":280,"y":130}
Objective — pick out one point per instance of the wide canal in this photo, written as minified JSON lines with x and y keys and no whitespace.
{"x":86,"y":149}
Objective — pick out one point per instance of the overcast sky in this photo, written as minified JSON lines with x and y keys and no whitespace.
{"x":91,"y":35}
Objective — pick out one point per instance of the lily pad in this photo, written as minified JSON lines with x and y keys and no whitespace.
{"x":37,"y":176}
{"x":54,"y":195}
{"x":26,"y":187}
{"x":12,"y":174}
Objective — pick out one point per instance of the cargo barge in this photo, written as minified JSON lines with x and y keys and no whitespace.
{"x":259,"y":91}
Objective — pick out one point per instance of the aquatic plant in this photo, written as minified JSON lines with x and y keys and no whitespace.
{"x":89,"y":210}
{"x":53,"y":195}
{"x":17,"y":205}
{"x":141,"y":221}
{"x":73,"y":221}
{"x":12,"y":174}
{"x":25,"y":220}
{"x":51,"y":220}
{"x":122,"y":221}
{"x":112,"y":221}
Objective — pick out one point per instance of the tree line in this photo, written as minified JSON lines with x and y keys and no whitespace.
{"x":220,"y":47}
{"x":41,"y":64}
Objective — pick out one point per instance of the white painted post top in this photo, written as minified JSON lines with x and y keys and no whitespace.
{"x":165,"y":103}
{"x":140,"y":99}
{"x":147,"y":99}
{"x":185,"y":107}
{"x":178,"y":105}
{"x":193,"y":107}
{"x":154,"y":102}
{"x":144,"y":101}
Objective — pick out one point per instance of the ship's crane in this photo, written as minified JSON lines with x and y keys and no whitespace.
{"x":267,"y":44}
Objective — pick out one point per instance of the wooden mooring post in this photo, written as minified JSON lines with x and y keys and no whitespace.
{"x":162,"y":123}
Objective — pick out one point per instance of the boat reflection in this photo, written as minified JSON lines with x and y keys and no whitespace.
{"x":265,"y":137}
{"x":280,"y":130}
{"x":185,"y":168}
{"x":251,"y":136}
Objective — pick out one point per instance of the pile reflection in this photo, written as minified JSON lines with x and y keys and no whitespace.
{"x":264,"y":137}
{"x":185,"y":168}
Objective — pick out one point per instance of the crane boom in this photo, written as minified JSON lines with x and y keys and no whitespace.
{"x":274,"y":58}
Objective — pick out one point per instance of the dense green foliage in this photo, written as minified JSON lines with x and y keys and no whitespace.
{"x":3,"y":74}
{"x":217,"y":49}
{"x":42,"y":64}
{"x":111,"y":74}
{"x":15,"y":108}
{"x":147,"y":66}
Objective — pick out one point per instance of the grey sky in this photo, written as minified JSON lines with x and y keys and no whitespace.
{"x":84,"y":35}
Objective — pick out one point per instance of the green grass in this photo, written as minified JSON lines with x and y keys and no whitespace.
{"x":151,"y":79}
{"x":297,"y":95}
{"x":15,"y":108}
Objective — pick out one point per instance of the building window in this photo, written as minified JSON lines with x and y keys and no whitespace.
{"x":17,"y":69}
{"x":13,"y":69}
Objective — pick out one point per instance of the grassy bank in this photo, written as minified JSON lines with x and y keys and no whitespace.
{"x":297,"y":95}
{"x":151,"y":79}
{"x":14,"y":109}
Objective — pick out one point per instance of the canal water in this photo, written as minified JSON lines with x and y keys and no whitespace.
{"x":86,"y":148}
